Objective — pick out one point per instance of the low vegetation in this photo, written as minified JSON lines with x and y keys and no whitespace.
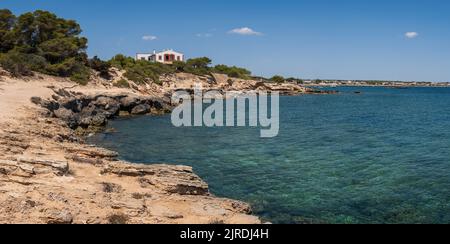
{"x":196,"y":66}
{"x":40,"y":41}
{"x":122,"y":83}
{"x":101,"y":67}
{"x":233,"y":71}
{"x":277,"y":79}
{"x":141,"y":71}
{"x":295,"y":80}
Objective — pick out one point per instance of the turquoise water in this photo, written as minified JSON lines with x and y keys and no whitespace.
{"x":382,"y":156}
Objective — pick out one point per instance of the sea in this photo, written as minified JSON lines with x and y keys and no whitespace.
{"x":363,"y":155}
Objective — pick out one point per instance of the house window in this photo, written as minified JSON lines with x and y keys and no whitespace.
{"x":160,"y":57}
{"x":142,"y":58}
{"x":169,"y":57}
{"x":178,"y":58}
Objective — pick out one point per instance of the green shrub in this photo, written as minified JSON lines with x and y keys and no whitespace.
{"x":233,"y":71}
{"x":81,"y":75}
{"x":120,"y":61}
{"x":7,"y":22}
{"x":60,"y":49}
{"x":295,"y":80}
{"x":277,"y":79}
{"x":230,"y":82}
{"x":20,"y":64}
{"x":101,"y":66}
{"x":14,"y":65}
{"x":198,"y":66}
{"x":122,"y":83}
{"x":142,"y":71}
{"x":66,"y":68}
{"x":179,"y":66}
{"x":40,"y":41}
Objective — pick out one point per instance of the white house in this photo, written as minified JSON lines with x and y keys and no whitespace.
{"x":165,"y":57}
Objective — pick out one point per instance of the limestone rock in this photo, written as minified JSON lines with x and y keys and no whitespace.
{"x":55,"y":216}
{"x":128,"y":103}
{"x":108,"y":105}
{"x":141,"y":109}
{"x":38,"y":186}
{"x":93,"y":152}
{"x":8,"y":167}
{"x":172,"y":179}
{"x":42,"y":166}
{"x":79,"y":110}
{"x":67,"y":116}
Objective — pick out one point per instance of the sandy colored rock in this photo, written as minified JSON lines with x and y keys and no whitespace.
{"x":49,"y":176}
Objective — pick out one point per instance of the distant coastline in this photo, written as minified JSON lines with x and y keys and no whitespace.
{"x":359,"y":83}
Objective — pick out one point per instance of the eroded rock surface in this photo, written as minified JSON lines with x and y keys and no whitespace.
{"x":43,"y":180}
{"x":49,"y":175}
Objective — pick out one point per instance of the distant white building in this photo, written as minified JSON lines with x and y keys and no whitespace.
{"x":165,"y":57}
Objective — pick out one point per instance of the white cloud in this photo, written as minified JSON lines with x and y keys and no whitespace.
{"x":204,"y":35}
{"x":149,"y":38}
{"x":411,"y":35}
{"x":245,"y":31}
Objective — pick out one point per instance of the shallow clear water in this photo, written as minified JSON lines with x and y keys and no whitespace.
{"x":382,"y":156}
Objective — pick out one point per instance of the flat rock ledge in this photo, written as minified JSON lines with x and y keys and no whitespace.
{"x":49,"y":175}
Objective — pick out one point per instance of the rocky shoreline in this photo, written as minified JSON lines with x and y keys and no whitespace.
{"x":49,"y":175}
{"x":84,"y":184}
{"x":89,"y":113}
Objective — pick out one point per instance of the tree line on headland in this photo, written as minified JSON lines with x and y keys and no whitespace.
{"x":43,"y":42}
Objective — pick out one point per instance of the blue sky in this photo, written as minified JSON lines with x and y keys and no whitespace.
{"x":340,"y":39}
